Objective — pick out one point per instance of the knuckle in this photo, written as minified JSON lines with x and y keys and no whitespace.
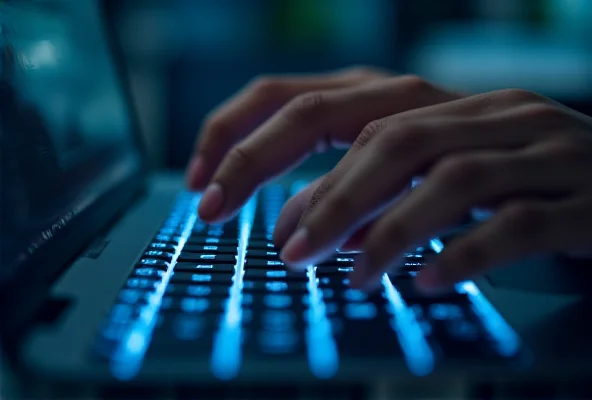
{"x":460,"y":172}
{"x":571,"y":149}
{"x":544,"y":111}
{"x":370,"y":130}
{"x":215,"y":125}
{"x":307,"y":107}
{"x":517,"y":95}
{"x":216,"y":130}
{"x":339,"y":203}
{"x":241,"y":159}
{"x":413,"y":83}
{"x":526,"y":220}
{"x":364,"y":71}
{"x":265,"y":87}
{"x":406,"y":139}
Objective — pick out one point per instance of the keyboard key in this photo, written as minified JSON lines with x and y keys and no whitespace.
{"x":278,"y":320}
{"x":153,"y":263}
{"x":261,"y":236}
{"x":206,"y":240}
{"x":159,"y":255}
{"x":123,"y":313}
{"x":265,"y":344}
{"x":461,"y":338}
{"x":337,"y":261}
{"x":198,"y":290}
{"x":324,"y":271}
{"x":198,"y":267}
{"x":366,"y":337}
{"x":207,"y":258}
{"x":171,"y":239}
{"x":194,"y":304}
{"x":354,"y":295}
{"x":210,"y":248}
{"x":110,"y":335}
{"x":142,"y":283}
{"x":337,"y":282}
{"x":263,"y":254}
{"x":170,"y":232}
{"x":148,"y":272}
{"x":203,"y":278}
{"x":261,"y":245}
{"x":264,"y":264}
{"x":261,"y":274}
{"x":275,"y":287}
{"x":182,"y":336}
{"x":166,"y":247}
{"x":132,"y":296}
{"x":360,"y":311}
{"x":412,"y":265}
{"x":411,"y":295}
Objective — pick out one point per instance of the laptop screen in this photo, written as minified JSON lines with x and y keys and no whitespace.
{"x":66,"y":135}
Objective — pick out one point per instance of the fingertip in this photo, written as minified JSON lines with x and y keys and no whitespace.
{"x":196,"y":174}
{"x":296,"y":247}
{"x":211,"y":202}
{"x":286,"y":223}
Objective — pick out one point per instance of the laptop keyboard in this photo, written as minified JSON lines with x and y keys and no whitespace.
{"x":221,"y":292}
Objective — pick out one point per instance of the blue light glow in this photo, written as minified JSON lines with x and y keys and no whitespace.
{"x":437,"y":245}
{"x":507,"y":341}
{"x":417,"y":352}
{"x":323,"y":356}
{"x":360,"y":311}
{"x":227,"y":351}
{"x":129,"y":355}
{"x":277,"y":301}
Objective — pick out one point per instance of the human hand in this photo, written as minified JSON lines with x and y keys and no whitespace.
{"x":289,"y":118}
{"x":243,"y":113}
{"x":519,"y":153}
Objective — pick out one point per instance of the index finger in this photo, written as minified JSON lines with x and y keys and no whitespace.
{"x":329,"y":117}
{"x":242,"y":113}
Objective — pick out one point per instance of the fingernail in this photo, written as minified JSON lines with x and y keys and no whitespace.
{"x":196,"y":173}
{"x":296,"y":247}
{"x":211,"y":202}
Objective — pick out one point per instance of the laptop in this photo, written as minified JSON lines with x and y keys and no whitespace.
{"x":108,"y":277}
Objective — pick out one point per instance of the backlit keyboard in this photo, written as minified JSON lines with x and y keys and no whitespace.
{"x":221,"y":292}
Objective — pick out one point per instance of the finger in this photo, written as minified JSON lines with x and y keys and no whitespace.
{"x":241,"y":114}
{"x":458,"y":184}
{"x":404,"y":150}
{"x":293,"y":132}
{"x":518,"y":231}
{"x":354,"y":243}
{"x":292,"y":211}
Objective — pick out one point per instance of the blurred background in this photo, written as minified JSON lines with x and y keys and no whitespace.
{"x":186,"y":56}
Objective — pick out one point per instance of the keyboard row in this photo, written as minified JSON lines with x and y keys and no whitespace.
{"x":190,"y":271}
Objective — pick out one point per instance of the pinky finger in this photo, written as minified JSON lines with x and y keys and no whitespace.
{"x":517,"y":231}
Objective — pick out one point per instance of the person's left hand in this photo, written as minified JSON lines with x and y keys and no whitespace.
{"x":519,"y":153}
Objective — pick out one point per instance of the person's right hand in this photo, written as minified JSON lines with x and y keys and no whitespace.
{"x":268,"y":130}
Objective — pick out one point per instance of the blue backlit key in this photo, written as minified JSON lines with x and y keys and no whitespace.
{"x":207,"y":258}
{"x":201,"y":278}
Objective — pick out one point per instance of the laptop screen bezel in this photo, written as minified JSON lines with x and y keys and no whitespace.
{"x":22,"y":293}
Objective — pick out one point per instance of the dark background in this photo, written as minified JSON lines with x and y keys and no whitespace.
{"x":186,"y":56}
